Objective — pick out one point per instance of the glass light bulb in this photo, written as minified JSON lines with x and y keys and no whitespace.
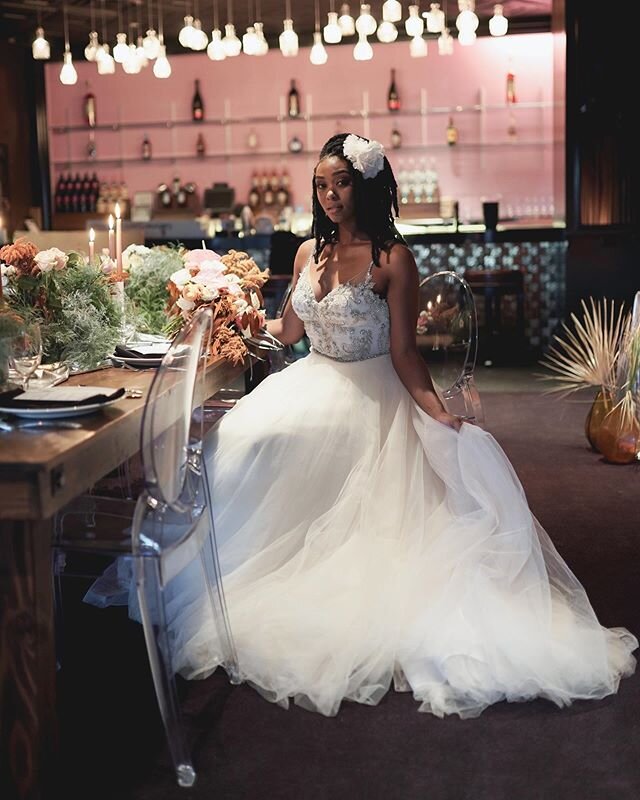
{"x":498,"y":23}
{"x":318,"y":54}
{"x":435,"y":19}
{"x":232,"y":45}
{"x":467,"y":20}
{"x":332,"y":32}
{"x":414,"y":24}
{"x":151,"y":44}
{"x":106,"y":64}
{"x":418,"y":47}
{"x":215,"y":50}
{"x":365,"y":24}
{"x":391,"y":11}
{"x":131,"y":65}
{"x":263,"y":45}
{"x":250,"y":42}
{"x":91,"y":50}
{"x":445,"y":43}
{"x":466,"y":37}
{"x":68,"y":74}
{"x":40,"y":46}
{"x":387,"y":32}
{"x":121,"y":50}
{"x":288,"y":39}
{"x":346,"y":21}
{"x":162,"y":67}
{"x":186,"y":32}
{"x":363,"y":50}
{"x":199,"y":39}
{"x":141,"y":55}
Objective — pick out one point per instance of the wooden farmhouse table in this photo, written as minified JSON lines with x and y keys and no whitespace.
{"x":40,"y":472}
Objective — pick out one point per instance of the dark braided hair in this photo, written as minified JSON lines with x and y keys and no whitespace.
{"x":376,"y":205}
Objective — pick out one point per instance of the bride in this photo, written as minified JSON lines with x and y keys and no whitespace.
{"x":367,"y":537}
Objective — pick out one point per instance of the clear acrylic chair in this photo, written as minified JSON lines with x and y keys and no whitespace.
{"x":173,"y":527}
{"x":447,"y":336}
{"x":267,"y":349}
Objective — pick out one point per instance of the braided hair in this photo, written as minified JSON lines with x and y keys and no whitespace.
{"x":376,"y":205}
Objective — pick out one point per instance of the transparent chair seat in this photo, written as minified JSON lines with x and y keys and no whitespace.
{"x":447,"y":337}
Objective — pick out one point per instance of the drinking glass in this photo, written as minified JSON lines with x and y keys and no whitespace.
{"x":25,"y":352}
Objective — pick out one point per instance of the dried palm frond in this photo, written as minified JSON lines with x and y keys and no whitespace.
{"x":589,"y":354}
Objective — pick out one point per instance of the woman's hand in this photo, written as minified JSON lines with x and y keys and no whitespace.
{"x":447,"y":419}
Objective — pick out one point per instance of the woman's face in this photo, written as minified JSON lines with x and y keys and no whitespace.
{"x":334,"y":189}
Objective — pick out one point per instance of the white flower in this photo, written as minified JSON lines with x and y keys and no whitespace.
{"x":366,"y":157}
{"x":133,"y":256}
{"x":52,"y":259}
{"x":180,"y":277}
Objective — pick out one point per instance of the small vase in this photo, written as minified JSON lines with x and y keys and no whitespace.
{"x":618,"y":437}
{"x":601,"y":406}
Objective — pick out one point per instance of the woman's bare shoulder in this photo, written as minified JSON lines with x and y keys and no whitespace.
{"x":303,"y":254}
{"x":398,"y":261}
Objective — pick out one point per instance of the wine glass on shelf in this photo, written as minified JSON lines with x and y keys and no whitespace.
{"x":25,"y":352}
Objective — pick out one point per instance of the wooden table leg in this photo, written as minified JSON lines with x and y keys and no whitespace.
{"x":28,"y":730}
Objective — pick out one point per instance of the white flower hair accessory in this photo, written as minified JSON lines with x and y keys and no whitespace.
{"x":366,"y":157}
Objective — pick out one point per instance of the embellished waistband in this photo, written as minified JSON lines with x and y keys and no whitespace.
{"x":346,"y":360}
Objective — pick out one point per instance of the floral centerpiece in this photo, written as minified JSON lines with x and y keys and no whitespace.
{"x":69,"y":297}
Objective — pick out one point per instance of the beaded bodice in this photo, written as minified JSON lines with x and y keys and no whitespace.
{"x":350,"y":323}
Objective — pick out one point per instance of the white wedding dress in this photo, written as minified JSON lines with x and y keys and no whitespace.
{"x":364,"y":544}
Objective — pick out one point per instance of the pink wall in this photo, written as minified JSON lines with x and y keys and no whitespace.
{"x":484,"y":165}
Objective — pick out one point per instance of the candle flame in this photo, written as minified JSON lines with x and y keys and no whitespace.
{"x":92,"y":235}
{"x":110,"y":222}
{"x":117,"y":210}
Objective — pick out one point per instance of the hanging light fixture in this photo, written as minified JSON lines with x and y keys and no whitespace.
{"x":104,"y":59}
{"x":263,"y":45}
{"x":199,"y":39}
{"x":288,"y":39}
{"x":387,"y":32}
{"x":366,"y":24}
{"x":346,"y":21}
{"x":250,"y":41}
{"x":215,"y":49}
{"x":150,"y":43}
{"x":418,"y":47}
{"x":435,"y":18}
{"x":445,"y":43}
{"x":91,"y":50}
{"x":162,"y":67}
{"x":232,"y":45}
{"x":363,"y":50}
{"x":186,"y":31}
{"x":332,"y":32}
{"x":142,"y":57}
{"x":318,"y":54}
{"x":466,"y":37}
{"x":498,"y":23}
{"x":414,"y":24}
{"x":391,"y":11}
{"x":466,"y":19}
{"x":68,"y":74}
{"x":121,"y":50}
{"x":131,"y":65}
{"x":40,"y":48}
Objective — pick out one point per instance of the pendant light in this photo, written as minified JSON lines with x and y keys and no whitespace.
{"x":435,"y":19}
{"x":466,"y":37}
{"x":131,"y":65}
{"x":162,"y":67}
{"x":363,"y":50}
{"x":466,"y":19}
{"x":121,"y":50}
{"x":498,"y":23}
{"x":346,"y":21}
{"x":445,"y":43}
{"x":288,"y":39}
{"x":199,"y":39}
{"x":414,"y":24}
{"x":366,"y":24}
{"x":68,"y":74}
{"x":91,"y":50}
{"x":232,"y":45}
{"x":186,"y":31}
{"x":391,"y":11}
{"x":318,"y":54}
{"x":104,"y":59}
{"x":418,"y":47}
{"x":263,"y":45}
{"x":215,"y":49}
{"x":142,"y":56}
{"x":332,"y":32}
{"x":150,"y":43}
{"x":40,"y":48}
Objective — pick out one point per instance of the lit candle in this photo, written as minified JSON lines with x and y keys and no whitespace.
{"x":92,"y":245}
{"x":118,"y":243}
{"x":112,"y":251}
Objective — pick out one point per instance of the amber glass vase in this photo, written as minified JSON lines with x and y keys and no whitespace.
{"x":601,"y":406}
{"x":618,"y":437}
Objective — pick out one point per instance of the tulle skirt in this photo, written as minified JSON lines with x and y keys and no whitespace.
{"x":365,"y":545}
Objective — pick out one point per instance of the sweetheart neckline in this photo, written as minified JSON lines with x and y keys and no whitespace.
{"x":366,"y":284}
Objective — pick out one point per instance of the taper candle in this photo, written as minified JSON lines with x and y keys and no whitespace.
{"x":112,"y":249}
{"x":118,"y":243}
{"x":92,"y":245}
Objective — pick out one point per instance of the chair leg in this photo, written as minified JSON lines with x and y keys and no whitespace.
{"x":472,"y":402}
{"x":159,"y":651}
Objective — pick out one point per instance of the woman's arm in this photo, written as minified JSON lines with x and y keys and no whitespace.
{"x":288,"y":328}
{"x":402,"y":297}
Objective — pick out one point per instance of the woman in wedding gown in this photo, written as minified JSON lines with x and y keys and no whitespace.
{"x":367,"y":537}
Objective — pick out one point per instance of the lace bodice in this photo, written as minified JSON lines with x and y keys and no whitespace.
{"x":351,"y":323}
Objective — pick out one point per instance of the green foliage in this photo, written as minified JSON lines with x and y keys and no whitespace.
{"x":146,"y":287}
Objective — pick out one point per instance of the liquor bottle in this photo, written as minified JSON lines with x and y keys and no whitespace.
{"x":146,"y":148}
{"x":293,"y":106}
{"x":89,"y":105}
{"x":59,"y":194}
{"x":511,"y":88}
{"x":200,"y":146}
{"x":197,"y":106}
{"x":393,"y":98}
{"x":452,"y":133}
{"x":282,"y":195}
{"x":396,"y":139}
{"x":255,"y":197}
{"x":295,"y":145}
{"x":269,"y":196}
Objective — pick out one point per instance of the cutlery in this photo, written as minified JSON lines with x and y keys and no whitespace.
{"x":36,"y":424}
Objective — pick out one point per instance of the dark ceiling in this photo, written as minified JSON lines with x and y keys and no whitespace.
{"x":19,"y":18}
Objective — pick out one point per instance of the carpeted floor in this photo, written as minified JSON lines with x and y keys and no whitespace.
{"x":246,"y":748}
